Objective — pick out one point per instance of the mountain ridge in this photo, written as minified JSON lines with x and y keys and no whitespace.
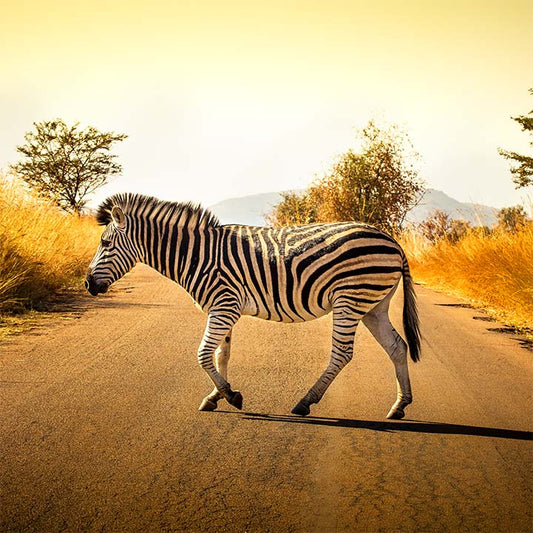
{"x":250,"y":209}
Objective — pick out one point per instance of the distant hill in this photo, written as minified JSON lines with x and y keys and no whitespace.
{"x":476,"y":214}
{"x":246,"y":209}
{"x":251,"y":209}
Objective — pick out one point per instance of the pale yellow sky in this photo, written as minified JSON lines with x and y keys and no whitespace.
{"x":223,"y":99}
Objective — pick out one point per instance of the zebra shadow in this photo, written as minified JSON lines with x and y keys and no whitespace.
{"x":410,"y":426}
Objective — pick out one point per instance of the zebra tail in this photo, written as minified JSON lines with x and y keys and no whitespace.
{"x":411,"y":323}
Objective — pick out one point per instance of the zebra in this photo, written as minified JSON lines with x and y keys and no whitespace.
{"x":288,"y":274}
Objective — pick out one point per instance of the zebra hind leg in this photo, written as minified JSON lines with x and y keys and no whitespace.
{"x":222,"y":355}
{"x":345,"y":320}
{"x":377,"y":321}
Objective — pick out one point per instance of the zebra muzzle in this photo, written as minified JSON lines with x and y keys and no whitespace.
{"x":94,"y":287}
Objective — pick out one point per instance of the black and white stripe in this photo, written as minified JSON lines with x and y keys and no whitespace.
{"x":289,"y":274}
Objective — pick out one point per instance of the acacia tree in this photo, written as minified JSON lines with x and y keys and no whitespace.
{"x":65,"y":164}
{"x":523,"y":170}
{"x":378,"y":185}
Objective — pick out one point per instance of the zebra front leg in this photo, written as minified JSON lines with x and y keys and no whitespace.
{"x":219,"y":324}
{"x":344,"y":325}
{"x":222,"y":355}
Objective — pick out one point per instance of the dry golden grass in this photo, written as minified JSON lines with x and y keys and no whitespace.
{"x":491,"y":271}
{"x":42,"y":249}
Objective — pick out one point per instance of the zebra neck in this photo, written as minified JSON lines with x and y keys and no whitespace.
{"x":182,"y":253}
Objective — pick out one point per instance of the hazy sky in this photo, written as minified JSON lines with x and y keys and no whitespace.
{"x":228,"y":98}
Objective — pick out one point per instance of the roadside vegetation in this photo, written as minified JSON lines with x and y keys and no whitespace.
{"x":42,"y":248}
{"x":489,"y":268}
{"x":46,"y":237}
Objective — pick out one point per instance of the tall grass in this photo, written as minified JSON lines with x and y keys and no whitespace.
{"x":42,"y":249}
{"x":493,"y":271}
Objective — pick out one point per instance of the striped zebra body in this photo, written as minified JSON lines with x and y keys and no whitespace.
{"x":289,"y":274}
{"x":294,"y":274}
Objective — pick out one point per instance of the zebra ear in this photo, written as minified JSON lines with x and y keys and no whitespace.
{"x":118,"y":216}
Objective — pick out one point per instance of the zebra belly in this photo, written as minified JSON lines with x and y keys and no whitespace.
{"x":278,"y":310}
{"x":299,"y":305}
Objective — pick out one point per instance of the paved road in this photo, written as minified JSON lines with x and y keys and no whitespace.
{"x":100,"y":431}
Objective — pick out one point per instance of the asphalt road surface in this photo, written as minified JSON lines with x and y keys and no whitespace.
{"x":100,"y":430}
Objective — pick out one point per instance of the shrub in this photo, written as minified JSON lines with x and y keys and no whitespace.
{"x":492,"y":270}
{"x":42,"y":249}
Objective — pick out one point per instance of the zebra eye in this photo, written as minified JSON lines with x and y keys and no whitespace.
{"x":106,"y":243}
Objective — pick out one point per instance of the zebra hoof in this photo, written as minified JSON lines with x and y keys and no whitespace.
{"x":207,"y":405}
{"x":235,"y":398}
{"x":396,"y":414}
{"x":301,"y":409}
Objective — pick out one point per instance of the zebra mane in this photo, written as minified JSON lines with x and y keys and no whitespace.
{"x":145,"y":206}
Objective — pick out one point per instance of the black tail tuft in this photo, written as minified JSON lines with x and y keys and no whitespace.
{"x":411,"y":323}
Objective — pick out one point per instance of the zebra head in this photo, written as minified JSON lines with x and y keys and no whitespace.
{"x":115,"y":256}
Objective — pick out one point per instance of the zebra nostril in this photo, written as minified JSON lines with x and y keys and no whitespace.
{"x":86,"y":284}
